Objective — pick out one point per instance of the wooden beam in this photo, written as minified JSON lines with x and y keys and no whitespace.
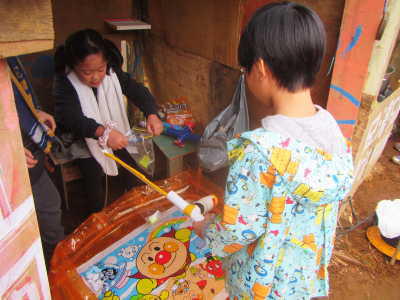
{"x":383,"y":49}
{"x":360,"y":22}
{"x":8,"y":49}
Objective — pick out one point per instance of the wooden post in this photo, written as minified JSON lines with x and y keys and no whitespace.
{"x":360,"y":22}
{"x":23,"y":270}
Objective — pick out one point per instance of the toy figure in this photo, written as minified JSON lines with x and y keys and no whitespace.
{"x":181,"y":133}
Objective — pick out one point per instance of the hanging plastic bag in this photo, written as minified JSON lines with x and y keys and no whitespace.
{"x":140,"y":147}
{"x":232,"y":120}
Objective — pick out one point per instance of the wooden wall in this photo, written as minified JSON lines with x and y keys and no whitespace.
{"x":73,"y":15}
{"x":26,"y":26}
{"x":330,"y":13}
{"x":174,"y":73}
{"x":209,"y":31}
{"x":206,"y":28}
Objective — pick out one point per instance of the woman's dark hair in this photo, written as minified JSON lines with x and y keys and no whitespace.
{"x":83,"y":43}
{"x":290,"y":38}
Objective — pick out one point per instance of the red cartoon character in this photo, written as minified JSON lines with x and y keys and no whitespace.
{"x":214,"y":267}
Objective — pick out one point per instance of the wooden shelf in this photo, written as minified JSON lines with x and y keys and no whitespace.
{"x":127,"y":24}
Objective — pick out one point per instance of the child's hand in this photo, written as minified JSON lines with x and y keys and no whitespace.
{"x":154,"y":125}
{"x":47,"y":119}
{"x":116,"y":140}
{"x":30,"y":159}
{"x":200,"y":227}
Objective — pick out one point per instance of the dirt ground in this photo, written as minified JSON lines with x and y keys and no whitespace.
{"x":358,"y":271}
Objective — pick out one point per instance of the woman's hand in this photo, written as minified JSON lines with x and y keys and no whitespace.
{"x":30,"y":159}
{"x":116,"y":140}
{"x":47,"y":119}
{"x":154,"y":125}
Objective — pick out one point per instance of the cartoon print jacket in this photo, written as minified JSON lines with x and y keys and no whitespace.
{"x":277,"y":228}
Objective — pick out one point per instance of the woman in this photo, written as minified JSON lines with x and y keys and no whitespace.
{"x":88,"y":88}
{"x":286,"y":177}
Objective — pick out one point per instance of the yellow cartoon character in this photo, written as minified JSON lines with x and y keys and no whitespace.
{"x":232,"y":248}
{"x":276,"y":207}
{"x":268,"y":178}
{"x":326,"y":155}
{"x":305,"y":191}
{"x":109,"y":295}
{"x":238,"y":153}
{"x":230,"y":215}
{"x":308,"y":242}
{"x":164,"y":295}
{"x":162,"y":258}
{"x":196,"y":285}
{"x":184,"y":287}
{"x":282,"y":161}
{"x":260,"y":291}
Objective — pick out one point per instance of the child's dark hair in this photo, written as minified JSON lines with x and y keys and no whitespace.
{"x":290,"y":38}
{"x":83,"y":43}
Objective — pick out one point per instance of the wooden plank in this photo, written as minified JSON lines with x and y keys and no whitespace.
{"x":26,"y":26}
{"x":382,"y":50}
{"x":8,"y":49}
{"x":376,"y":132}
{"x":19,"y":233}
{"x":376,"y":119}
{"x":357,"y":35}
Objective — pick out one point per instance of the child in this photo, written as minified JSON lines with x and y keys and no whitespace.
{"x":286,"y":178}
{"x":89,"y":90}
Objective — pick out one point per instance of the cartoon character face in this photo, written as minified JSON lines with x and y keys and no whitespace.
{"x":108,"y":274}
{"x":209,"y":287}
{"x":182,"y":287}
{"x":214,"y":267}
{"x":162,"y":257}
{"x":185,"y":288}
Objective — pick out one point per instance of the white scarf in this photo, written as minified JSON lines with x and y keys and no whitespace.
{"x":109,"y":106}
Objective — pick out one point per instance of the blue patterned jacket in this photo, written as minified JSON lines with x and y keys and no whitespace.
{"x":280,"y":210}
